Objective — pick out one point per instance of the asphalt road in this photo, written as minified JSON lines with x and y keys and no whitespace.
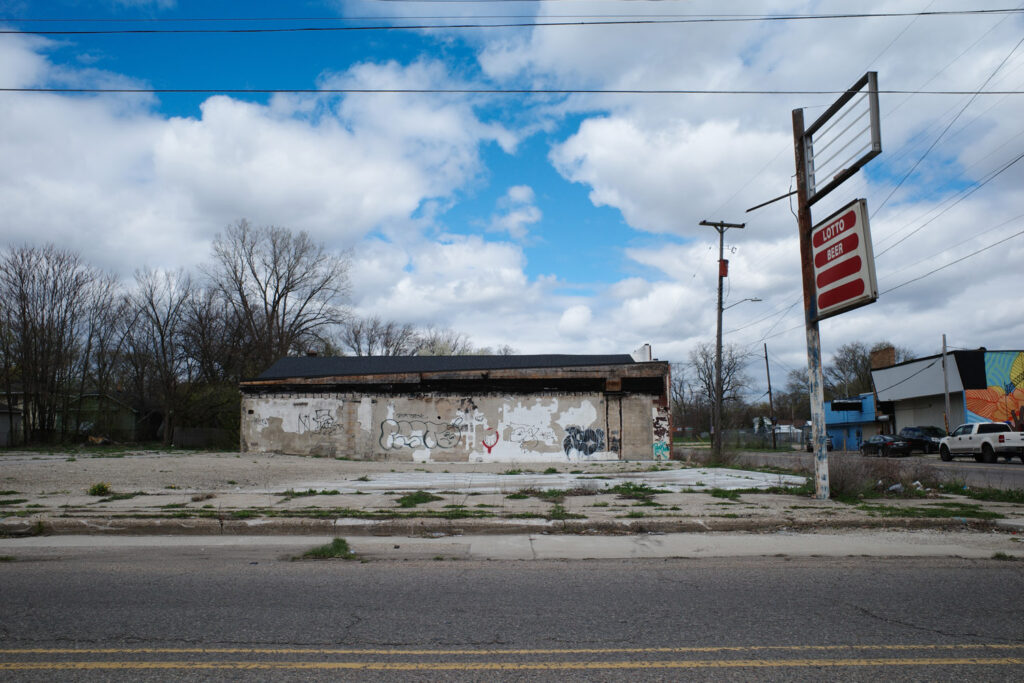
{"x":250,"y":613}
{"x":1000,"y":475}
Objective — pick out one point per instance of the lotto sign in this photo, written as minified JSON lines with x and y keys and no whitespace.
{"x":844,"y":264}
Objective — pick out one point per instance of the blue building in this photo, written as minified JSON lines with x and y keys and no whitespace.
{"x":850,"y":420}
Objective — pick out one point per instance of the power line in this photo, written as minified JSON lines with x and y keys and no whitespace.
{"x":907,"y":379}
{"x":484,"y":91}
{"x":964,"y":195}
{"x":951,"y":263}
{"x":518,"y":24}
{"x":945,"y":130}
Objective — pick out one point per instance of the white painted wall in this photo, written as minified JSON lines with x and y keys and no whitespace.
{"x":435,"y":427}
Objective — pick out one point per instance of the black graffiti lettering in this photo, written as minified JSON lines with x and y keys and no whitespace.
{"x":320,"y":422}
{"x":395,"y":434}
{"x":584,"y":441}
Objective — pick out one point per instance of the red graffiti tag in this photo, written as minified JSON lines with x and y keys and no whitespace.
{"x":494,"y":443}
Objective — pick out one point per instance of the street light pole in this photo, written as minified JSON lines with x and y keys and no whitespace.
{"x":716,"y":441}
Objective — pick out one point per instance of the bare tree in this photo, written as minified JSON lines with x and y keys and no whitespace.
{"x":444,"y":342}
{"x":372,"y":336}
{"x":162,"y":299}
{"x":794,"y":400}
{"x":216,"y":337}
{"x":44,"y":299}
{"x":734,"y":379}
{"x":849,"y":373}
{"x":285,"y":288}
{"x":109,"y":317}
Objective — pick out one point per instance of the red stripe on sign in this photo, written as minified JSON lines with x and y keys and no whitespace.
{"x":837,"y":272}
{"x":840,"y":248}
{"x":835,"y":228}
{"x":840,"y":294}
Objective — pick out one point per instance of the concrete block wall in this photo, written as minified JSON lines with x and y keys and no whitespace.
{"x":558,"y":427}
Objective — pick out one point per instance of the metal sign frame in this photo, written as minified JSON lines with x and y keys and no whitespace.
{"x":867,"y":87}
{"x":807,"y":193}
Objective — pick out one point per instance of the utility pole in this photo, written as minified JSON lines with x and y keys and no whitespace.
{"x":815,"y":378}
{"x":723,"y":272}
{"x":771,"y":405}
{"x":945,"y":383}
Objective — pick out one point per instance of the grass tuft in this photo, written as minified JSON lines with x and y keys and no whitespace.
{"x":411,"y":500}
{"x":338,"y":548}
{"x":99,"y":489}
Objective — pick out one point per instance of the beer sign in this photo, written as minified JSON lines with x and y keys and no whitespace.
{"x":844,"y":263}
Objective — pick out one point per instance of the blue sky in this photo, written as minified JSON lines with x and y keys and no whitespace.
{"x":561,"y":223}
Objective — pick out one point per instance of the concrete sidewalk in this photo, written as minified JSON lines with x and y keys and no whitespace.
{"x":231,"y":494}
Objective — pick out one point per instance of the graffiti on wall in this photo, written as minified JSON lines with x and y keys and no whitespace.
{"x":582,"y":442}
{"x":662,"y":436}
{"x":1003,"y":398}
{"x":530,"y":436}
{"x":490,"y":439}
{"x":395,"y":434}
{"x":320,"y":422}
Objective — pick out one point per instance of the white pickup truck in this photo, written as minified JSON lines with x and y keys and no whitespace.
{"x":986,"y":441}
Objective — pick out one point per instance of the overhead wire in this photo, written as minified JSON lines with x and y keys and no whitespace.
{"x":944,"y":130}
{"x":519,"y":24}
{"x":477,"y":91}
{"x":952,"y":263}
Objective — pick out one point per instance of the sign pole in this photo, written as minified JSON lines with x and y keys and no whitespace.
{"x":816,"y":379}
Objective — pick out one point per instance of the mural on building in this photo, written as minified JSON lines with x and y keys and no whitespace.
{"x":1003,"y":398}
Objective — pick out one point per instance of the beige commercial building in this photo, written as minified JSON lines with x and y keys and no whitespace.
{"x":539,"y":408}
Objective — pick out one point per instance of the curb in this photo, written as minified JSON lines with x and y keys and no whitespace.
{"x":434,"y":527}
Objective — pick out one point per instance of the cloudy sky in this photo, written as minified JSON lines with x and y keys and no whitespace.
{"x":556,"y":223}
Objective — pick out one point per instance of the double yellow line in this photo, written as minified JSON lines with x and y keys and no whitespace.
{"x":955,"y":655}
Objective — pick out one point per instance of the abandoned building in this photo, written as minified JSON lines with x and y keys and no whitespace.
{"x":541,"y":408}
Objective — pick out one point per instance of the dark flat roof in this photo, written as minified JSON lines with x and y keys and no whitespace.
{"x":341,"y":366}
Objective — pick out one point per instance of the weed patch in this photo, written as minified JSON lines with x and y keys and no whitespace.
{"x":338,"y":548}
{"x":289,"y":494}
{"x":551,"y":470}
{"x":13,"y":501}
{"x":993,"y":495}
{"x":724,"y":493}
{"x":411,"y":500}
{"x":632,"y":491}
{"x":1000,"y":555}
{"x":99,"y":489}
{"x":559,"y":512}
{"x":935,"y":510}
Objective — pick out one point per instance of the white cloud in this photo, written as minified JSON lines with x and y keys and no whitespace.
{"x":125,"y":186}
{"x":575,"y":321}
{"x":518,"y":214}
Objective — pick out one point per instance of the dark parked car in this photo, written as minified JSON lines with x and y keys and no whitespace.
{"x":810,"y":444}
{"x":924,"y":439}
{"x":884,"y":445}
